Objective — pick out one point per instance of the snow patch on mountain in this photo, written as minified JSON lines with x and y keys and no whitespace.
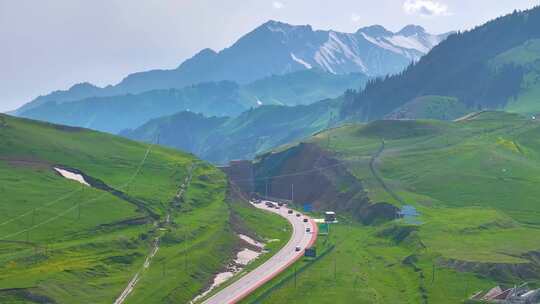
{"x":382,"y":43}
{"x":302,"y":62}
{"x":410,"y":42}
{"x":275,"y":27}
{"x":335,"y":52}
{"x":275,"y":48}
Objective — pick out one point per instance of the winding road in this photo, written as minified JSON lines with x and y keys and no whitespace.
{"x":276,"y":264}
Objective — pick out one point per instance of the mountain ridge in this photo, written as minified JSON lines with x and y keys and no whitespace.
{"x":273,"y":48}
{"x":224,"y":98}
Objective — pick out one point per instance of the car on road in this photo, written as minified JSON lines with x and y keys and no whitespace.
{"x":305,"y":220}
{"x":298,"y":214}
{"x":290,"y":211}
{"x":308,"y":229}
{"x":297,"y":248}
{"x":280,"y":204}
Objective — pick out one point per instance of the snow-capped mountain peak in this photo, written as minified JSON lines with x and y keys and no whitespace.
{"x":372,"y":50}
{"x":276,"y":48}
{"x":375,"y":31}
{"x":411,"y":30}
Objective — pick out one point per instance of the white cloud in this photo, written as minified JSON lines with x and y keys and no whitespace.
{"x":355,"y":18}
{"x":425,"y":8}
{"x":277,"y":4}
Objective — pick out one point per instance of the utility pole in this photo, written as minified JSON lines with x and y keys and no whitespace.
{"x":328,"y":138}
{"x":335,"y":268}
{"x":292,"y":194}
{"x":295,"y":276}
{"x":185,"y":251}
{"x":433,"y":274}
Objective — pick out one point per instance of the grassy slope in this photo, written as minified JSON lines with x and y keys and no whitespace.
{"x":52,"y":252}
{"x":475,"y":186}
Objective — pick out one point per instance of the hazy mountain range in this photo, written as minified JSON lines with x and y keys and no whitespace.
{"x":494,"y":66}
{"x":254,"y":131}
{"x":276,"y":84}
{"x":275,"y":48}
{"x":224,"y":98}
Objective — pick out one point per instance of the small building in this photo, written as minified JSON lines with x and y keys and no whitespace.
{"x":330,"y":217}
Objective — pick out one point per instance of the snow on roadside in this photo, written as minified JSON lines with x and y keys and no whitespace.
{"x":251,"y":241}
{"x":71,"y":175}
{"x":246,"y":256}
{"x":243,"y":258}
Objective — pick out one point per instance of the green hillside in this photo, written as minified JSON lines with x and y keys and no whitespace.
{"x":474,"y":186}
{"x":65,"y":242}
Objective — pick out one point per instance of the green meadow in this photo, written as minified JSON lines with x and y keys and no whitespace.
{"x":63,"y":242}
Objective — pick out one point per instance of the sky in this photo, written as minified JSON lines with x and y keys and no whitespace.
{"x":54,"y":44}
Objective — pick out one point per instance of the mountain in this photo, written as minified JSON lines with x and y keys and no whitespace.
{"x":115,"y":113}
{"x":301,"y":87}
{"x":493,"y":66}
{"x":279,"y":48}
{"x":220,"y":140}
{"x":186,"y":131}
{"x":448,"y":209}
{"x":275,"y":48}
{"x":76,"y":92}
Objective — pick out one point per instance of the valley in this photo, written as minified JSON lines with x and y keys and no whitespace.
{"x":286,"y":164}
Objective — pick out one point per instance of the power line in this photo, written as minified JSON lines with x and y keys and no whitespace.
{"x":41,"y":207}
{"x":303,"y":172}
{"x":79,"y":204}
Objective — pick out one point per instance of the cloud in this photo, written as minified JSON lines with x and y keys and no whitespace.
{"x":355,"y":18}
{"x":425,"y":8}
{"x":277,"y":4}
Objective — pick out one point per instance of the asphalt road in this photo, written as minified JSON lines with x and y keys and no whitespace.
{"x":273,"y":266}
